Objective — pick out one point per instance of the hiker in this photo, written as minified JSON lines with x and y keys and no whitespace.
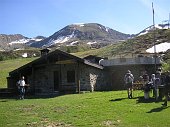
{"x":128,"y":78}
{"x":21,"y":87}
{"x":145,"y":78}
{"x":155,"y":82}
{"x":146,"y":85}
{"x":167,"y":87}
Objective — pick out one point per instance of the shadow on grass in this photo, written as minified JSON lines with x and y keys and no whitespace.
{"x":150,"y":100}
{"x":159,"y":109}
{"x":31,"y":96}
{"x":3,"y":101}
{"x":118,"y":99}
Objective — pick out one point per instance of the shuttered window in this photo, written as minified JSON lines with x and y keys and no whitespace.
{"x":70,"y":76}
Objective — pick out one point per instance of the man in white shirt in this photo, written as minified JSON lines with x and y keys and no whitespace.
{"x":21,"y":86}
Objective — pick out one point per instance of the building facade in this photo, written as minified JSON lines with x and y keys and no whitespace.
{"x":60,"y":71}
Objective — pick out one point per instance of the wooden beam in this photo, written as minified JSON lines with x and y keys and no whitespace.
{"x":66,"y":62}
{"x":78,"y":78}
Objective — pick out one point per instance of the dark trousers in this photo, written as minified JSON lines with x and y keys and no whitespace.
{"x":22,"y":92}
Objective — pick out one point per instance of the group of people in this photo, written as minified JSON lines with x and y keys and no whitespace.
{"x":149,"y":83}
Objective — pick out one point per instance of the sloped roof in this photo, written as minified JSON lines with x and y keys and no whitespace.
{"x":54,"y":57}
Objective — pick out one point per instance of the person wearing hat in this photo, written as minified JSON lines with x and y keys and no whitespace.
{"x":128,"y":78}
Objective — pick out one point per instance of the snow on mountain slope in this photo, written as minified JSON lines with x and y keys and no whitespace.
{"x":60,"y":39}
{"x":157,"y":26}
{"x":21,"y":41}
{"x":82,"y":33}
{"x":24,"y":41}
{"x":163,"y":47}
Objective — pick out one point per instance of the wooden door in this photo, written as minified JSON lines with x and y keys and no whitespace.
{"x":56,"y":80}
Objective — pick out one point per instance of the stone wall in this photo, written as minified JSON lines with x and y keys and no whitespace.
{"x":42,"y":81}
{"x":41,"y":78}
{"x":91,"y":78}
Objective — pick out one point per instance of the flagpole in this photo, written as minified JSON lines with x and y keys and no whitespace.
{"x":169,"y":21}
{"x":154,"y":37}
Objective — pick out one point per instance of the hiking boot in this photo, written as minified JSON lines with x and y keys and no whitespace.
{"x":131,"y":96}
{"x":164,"y":104}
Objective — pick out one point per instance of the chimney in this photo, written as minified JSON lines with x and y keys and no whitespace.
{"x":44,"y":51}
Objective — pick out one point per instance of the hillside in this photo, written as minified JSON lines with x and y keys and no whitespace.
{"x":16,"y":41}
{"x":135,"y":46}
{"x":9,"y":65}
{"x":27,"y":52}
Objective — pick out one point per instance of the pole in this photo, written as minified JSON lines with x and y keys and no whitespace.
{"x":169,"y":21}
{"x":154,"y":37}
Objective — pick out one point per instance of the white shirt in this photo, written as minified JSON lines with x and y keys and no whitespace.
{"x":21,"y":83}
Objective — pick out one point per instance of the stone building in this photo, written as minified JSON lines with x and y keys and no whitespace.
{"x":60,"y":71}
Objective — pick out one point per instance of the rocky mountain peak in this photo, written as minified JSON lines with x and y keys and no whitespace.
{"x":83,"y":33}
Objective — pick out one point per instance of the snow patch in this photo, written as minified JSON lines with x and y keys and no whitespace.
{"x":157,"y":26}
{"x":25,"y":55}
{"x":163,"y":47}
{"x":60,"y":39}
{"x":143,"y":33}
{"x":100,"y":27}
{"x":34,"y":39}
{"x":73,"y":43}
{"x":90,"y":43}
{"x":107,"y":29}
{"x":23,"y":41}
{"x":79,"y":24}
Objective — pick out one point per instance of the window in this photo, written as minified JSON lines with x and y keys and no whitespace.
{"x":70,"y":76}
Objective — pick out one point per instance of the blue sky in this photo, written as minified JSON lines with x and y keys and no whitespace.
{"x":45,"y":17}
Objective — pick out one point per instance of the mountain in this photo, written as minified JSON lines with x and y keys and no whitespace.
{"x":91,"y":33}
{"x":6,"y":39}
{"x":151,"y":28}
{"x":138,"y":46}
{"x":16,"y":41}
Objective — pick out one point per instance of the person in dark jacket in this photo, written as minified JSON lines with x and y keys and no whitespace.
{"x":167,"y":88}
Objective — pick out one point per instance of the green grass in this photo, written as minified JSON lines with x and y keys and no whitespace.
{"x":97,"y":109}
{"x":9,"y":65}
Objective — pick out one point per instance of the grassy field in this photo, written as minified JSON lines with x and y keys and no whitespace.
{"x":97,"y":109}
{"x":9,"y":65}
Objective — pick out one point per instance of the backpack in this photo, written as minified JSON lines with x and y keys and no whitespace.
{"x":129,"y":79}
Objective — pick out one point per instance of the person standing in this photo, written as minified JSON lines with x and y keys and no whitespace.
{"x":129,"y":78}
{"x":167,"y":88}
{"x":155,"y":81}
{"x":145,"y":78}
{"x":21,"y":85}
{"x":158,"y":82}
